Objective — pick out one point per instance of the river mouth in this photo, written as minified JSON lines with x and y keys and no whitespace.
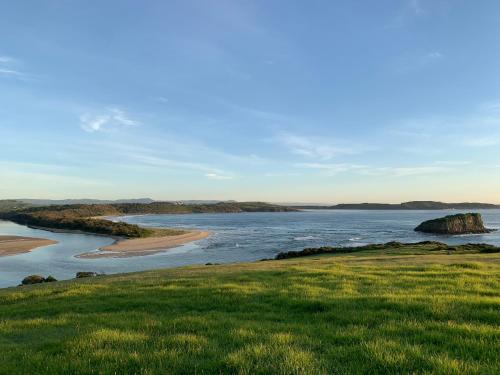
{"x":237,"y":237}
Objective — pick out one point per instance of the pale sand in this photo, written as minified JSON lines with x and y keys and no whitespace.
{"x":144,"y":246}
{"x":13,"y":245}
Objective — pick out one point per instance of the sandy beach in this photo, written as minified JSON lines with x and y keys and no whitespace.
{"x":13,"y":245}
{"x":145,"y":246}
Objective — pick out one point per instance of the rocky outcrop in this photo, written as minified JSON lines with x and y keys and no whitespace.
{"x":37,"y":279}
{"x":470,"y":223}
{"x":81,"y":275}
{"x":33,"y":279}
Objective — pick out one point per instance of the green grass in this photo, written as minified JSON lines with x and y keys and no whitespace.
{"x":164,"y":232}
{"x":363,"y":313}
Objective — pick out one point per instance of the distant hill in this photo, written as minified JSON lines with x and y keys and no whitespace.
{"x":414,"y":205}
{"x":58,"y":202}
{"x":12,"y":205}
{"x":83,"y":217}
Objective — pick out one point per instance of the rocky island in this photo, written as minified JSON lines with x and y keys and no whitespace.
{"x":470,"y":223}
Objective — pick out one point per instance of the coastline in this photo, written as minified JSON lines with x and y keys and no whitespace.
{"x":126,"y":248}
{"x":75,"y":231}
{"x":15,"y":245}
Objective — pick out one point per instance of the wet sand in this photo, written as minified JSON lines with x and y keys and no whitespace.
{"x":13,"y":245}
{"x":144,"y":246}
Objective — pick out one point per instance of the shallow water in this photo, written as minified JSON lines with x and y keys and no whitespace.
{"x":236,"y":237}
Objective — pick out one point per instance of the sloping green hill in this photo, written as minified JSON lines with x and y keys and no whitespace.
{"x":397,"y":312}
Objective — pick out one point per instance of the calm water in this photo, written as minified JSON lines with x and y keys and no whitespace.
{"x":236,"y":237}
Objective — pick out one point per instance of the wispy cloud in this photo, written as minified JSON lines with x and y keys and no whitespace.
{"x":398,"y":171}
{"x":479,"y":128}
{"x":404,"y":171}
{"x":481,"y":141}
{"x":414,"y":63}
{"x":331,"y":168}
{"x":215,"y":176}
{"x":11,"y":72}
{"x":7,"y":68}
{"x":408,"y":11}
{"x":112,"y":118}
{"x":316,"y":147}
{"x":453,"y":162}
{"x":431,"y":57}
{"x":415,"y":6}
{"x":492,"y":106}
{"x":158,"y":161}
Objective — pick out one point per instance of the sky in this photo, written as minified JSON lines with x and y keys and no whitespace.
{"x":275,"y":100}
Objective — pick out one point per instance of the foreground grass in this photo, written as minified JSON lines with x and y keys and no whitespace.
{"x":358,"y":313}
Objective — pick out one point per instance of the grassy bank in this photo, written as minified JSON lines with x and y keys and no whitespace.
{"x":365,"y":312}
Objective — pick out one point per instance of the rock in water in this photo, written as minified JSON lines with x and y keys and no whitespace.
{"x":454,"y":224}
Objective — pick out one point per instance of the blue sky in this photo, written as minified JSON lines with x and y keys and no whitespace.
{"x":284,"y":101}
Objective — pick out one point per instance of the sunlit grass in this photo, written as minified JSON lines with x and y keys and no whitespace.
{"x":363,"y":313}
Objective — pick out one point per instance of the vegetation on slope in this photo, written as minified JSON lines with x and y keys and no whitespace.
{"x":393,"y":247}
{"x":7,"y":205}
{"x":83,"y":217}
{"x":349,"y":314}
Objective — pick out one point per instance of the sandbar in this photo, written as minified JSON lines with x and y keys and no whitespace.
{"x":144,"y":246}
{"x":13,"y":245}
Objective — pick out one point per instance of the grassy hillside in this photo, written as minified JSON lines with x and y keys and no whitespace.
{"x":327,"y":314}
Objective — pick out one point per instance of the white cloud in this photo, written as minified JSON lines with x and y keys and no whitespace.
{"x":111,"y":118}
{"x":5,"y":59}
{"x":215,"y":176}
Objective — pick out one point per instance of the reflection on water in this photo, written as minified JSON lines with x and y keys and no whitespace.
{"x":236,"y":237}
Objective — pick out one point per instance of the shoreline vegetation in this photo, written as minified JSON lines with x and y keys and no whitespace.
{"x":413,"y":309}
{"x":14,"y":245}
{"x":394,"y":247}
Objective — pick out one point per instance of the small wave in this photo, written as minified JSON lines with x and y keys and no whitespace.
{"x":354,"y":239}
{"x":306,"y":238}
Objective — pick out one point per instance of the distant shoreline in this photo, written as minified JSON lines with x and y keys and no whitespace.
{"x":406,"y":206}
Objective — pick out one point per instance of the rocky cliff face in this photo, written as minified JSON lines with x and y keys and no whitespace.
{"x":454,"y":224}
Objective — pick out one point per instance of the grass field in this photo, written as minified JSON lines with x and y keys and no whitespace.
{"x":419,"y":311}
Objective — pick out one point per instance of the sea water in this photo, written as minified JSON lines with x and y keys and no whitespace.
{"x":237,"y":237}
